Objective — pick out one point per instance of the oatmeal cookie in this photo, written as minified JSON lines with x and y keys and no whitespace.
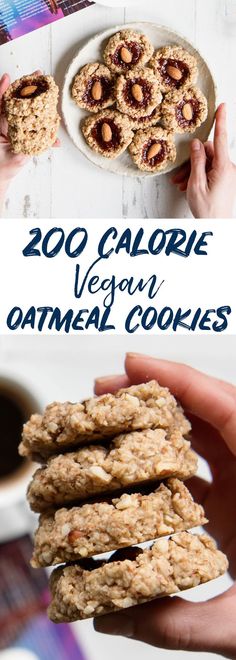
{"x":133,"y":576}
{"x":174,"y":67}
{"x":183,"y":111}
{"x":33,"y":142}
{"x":108,"y":133}
{"x":127,"y":50}
{"x":92,"y":87}
{"x":65,"y":425}
{"x":33,"y":122}
{"x":69,"y":534}
{"x":134,"y":458}
{"x":153,"y":149}
{"x":137,"y":93}
{"x":30,"y":95}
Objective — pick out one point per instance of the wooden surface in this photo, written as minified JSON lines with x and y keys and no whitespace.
{"x":62,"y":183}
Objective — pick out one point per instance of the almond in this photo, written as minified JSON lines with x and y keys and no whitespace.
{"x":137,"y":92}
{"x":174,"y":73}
{"x":28,"y":90}
{"x":74,"y":535}
{"x":154,"y":150}
{"x":187,"y":111}
{"x":96,"y":90}
{"x":126,"y":55}
{"x":106,"y":132}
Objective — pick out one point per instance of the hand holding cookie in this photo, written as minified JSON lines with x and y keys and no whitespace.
{"x":12,"y":154}
{"x":210,"y":404}
{"x":10,"y":163}
{"x":209,"y":178}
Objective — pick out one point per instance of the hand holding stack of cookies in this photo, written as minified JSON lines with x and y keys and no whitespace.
{"x":112,"y":477}
{"x":139,"y":100}
{"x":30,"y":107}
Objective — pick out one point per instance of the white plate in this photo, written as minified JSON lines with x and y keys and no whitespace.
{"x":92,"y":51}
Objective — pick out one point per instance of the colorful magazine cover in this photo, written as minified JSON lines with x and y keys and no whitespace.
{"x":18,"y":17}
{"x":23,"y":601}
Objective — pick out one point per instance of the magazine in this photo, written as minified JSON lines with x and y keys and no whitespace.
{"x":18,"y":17}
{"x":23,"y":600}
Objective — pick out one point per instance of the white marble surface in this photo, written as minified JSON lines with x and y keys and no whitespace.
{"x":63,"y":183}
{"x":64,"y":368}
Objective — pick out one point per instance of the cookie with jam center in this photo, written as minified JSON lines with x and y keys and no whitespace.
{"x":92,"y":87}
{"x":184,"y":111}
{"x":127,"y":50}
{"x":138,"y":93}
{"x":153,"y":149}
{"x":174,"y":67}
{"x":30,"y":94}
{"x":108,"y":133}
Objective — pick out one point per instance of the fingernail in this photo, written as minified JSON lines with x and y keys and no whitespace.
{"x":102,"y":379}
{"x":118,"y":624}
{"x":196,"y":145}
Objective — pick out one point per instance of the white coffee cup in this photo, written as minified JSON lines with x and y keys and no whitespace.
{"x":13,"y":485}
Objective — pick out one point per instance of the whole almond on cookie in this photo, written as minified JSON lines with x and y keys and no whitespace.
{"x":154,"y":150}
{"x":187,"y":111}
{"x":106,"y":132}
{"x":28,"y":90}
{"x":137,"y":92}
{"x":173,"y":72}
{"x":96,"y":90}
{"x":126,"y":55}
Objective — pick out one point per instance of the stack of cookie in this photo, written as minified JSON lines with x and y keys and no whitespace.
{"x":153,"y":94}
{"x":101,"y":489}
{"x":30,"y":107}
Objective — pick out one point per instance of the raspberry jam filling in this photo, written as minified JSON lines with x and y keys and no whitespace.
{"x":134,"y":48}
{"x":106,"y":85}
{"x":38,"y":86}
{"x":96,"y":133}
{"x":182,"y":121}
{"x":177,"y":64}
{"x":159,"y":158}
{"x":146,"y":93}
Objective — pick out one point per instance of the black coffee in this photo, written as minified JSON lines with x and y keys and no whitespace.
{"x":11,"y":421}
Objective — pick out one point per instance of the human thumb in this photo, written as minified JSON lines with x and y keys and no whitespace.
{"x":174,"y":623}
